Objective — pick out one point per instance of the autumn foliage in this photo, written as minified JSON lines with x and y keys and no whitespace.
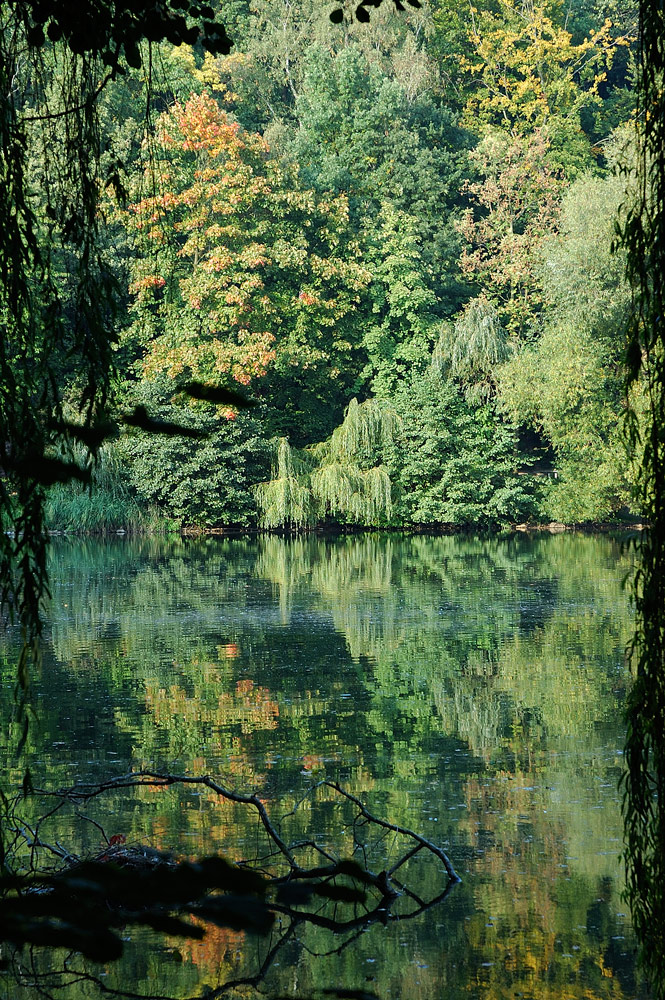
{"x":238,"y":269}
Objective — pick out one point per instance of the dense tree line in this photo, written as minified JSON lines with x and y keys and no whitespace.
{"x":396,"y":240}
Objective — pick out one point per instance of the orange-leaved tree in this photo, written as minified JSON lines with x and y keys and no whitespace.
{"x":239,"y":270}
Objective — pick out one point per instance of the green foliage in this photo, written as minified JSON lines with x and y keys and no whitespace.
{"x":473,"y":347}
{"x":108,"y":504}
{"x":340,"y":479}
{"x":204,"y":481}
{"x":566,"y":384}
{"x":286,"y":500}
{"x":404,"y":322}
{"x":452,"y":463}
{"x":350,"y":484}
{"x":643,"y":237}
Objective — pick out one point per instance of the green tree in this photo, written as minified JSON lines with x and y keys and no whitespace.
{"x":404,"y":324}
{"x":205,"y":480}
{"x":342,"y":479}
{"x":473,"y":347}
{"x":452,"y":463}
{"x":568,"y":384}
{"x":643,"y":237}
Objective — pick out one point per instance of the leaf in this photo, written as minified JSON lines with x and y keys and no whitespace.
{"x":220,"y":874}
{"x":35,"y":36}
{"x":93,"y":435}
{"x":47,"y":471}
{"x":340,"y":893}
{"x":349,"y":867}
{"x":295,"y":893}
{"x":240,"y":913}
{"x":132,"y":55}
{"x":28,"y":786}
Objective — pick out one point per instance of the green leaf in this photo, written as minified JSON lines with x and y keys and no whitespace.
{"x":132,"y":55}
{"x":139,"y":417}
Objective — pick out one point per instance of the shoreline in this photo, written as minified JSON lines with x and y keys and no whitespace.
{"x":322,"y":531}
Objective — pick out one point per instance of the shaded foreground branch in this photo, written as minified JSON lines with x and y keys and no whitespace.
{"x":54,"y":897}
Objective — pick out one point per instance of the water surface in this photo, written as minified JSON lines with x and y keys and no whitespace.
{"x":470,"y":689}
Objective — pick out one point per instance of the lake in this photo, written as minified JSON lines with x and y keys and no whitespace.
{"x":470,"y":689}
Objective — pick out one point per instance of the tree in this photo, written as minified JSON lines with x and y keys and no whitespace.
{"x":342,"y":479}
{"x":643,"y":236}
{"x":529,"y":75}
{"x":239,"y":272}
{"x":567,"y":384}
{"x":58,"y":204}
{"x":404,"y":324}
{"x":516,"y":200}
{"x":204,"y":479}
{"x":453,"y":463}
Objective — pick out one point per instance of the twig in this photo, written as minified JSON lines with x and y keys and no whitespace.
{"x":85,"y":792}
{"x":437,"y":851}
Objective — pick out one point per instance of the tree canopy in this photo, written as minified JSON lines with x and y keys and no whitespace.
{"x":394,"y":238}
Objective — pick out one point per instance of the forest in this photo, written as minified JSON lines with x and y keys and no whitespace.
{"x":391,"y":245}
{"x":392,"y":274}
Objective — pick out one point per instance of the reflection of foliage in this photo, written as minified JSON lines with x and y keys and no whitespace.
{"x":468,"y":687}
{"x":83,"y":904}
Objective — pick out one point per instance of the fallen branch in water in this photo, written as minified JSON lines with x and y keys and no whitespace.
{"x":83,"y":903}
{"x":82,"y":793}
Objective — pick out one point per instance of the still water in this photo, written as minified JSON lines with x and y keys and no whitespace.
{"x":470,"y":689}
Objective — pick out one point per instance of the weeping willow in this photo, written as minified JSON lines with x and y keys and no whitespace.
{"x":286,"y":501}
{"x":473,"y":347}
{"x":342,"y":478}
{"x":367,"y":429}
{"x":644,"y":780}
{"x":357,"y":495}
{"x":350,"y":482}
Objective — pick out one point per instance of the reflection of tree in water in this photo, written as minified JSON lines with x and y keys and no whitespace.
{"x":399,"y":668}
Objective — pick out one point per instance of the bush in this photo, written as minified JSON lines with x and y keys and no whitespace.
{"x":454,"y":463}
{"x":198,"y":481}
